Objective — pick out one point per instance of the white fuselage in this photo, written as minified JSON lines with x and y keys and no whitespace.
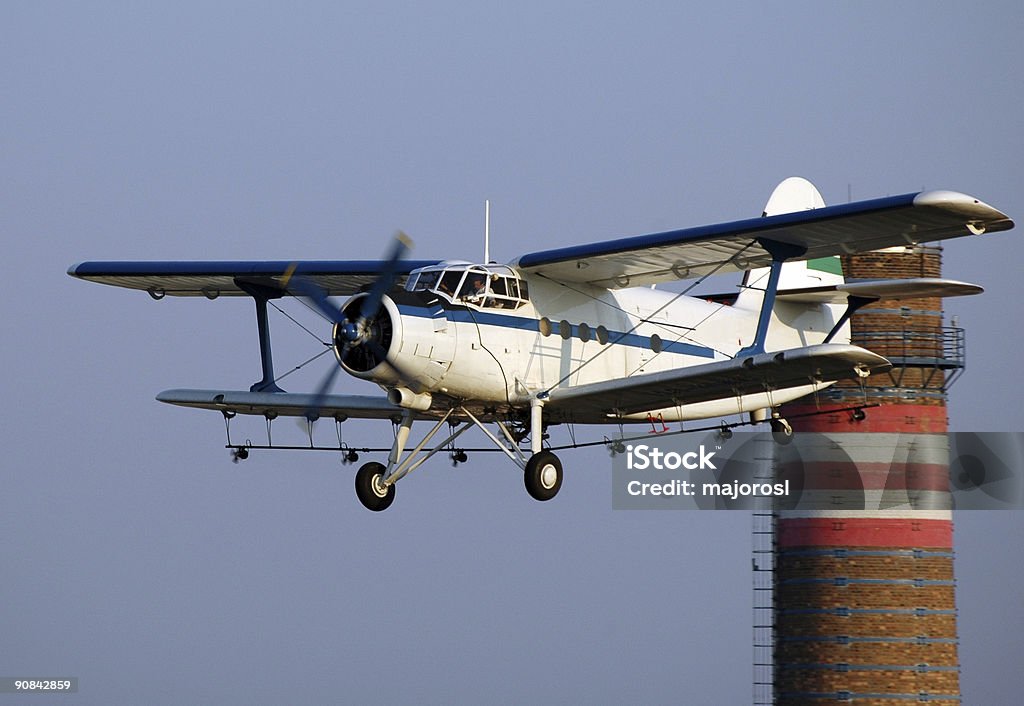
{"x":567,"y":336}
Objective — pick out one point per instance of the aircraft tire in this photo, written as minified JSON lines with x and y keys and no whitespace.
{"x":368,"y":490}
{"x":543,"y":475}
{"x":782,"y":432}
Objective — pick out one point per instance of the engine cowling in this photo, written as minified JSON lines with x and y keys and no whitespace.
{"x":409,"y":343}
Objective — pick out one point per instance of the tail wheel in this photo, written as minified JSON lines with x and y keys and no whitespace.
{"x":543,"y":475}
{"x":782,"y":432}
{"x":370,"y":488}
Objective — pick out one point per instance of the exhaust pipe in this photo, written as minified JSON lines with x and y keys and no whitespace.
{"x":404,"y":397}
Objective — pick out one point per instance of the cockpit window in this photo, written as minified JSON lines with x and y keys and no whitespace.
{"x":427,"y":280}
{"x":474,"y":287}
{"x":449,"y":283}
{"x":488,"y":287}
{"x":499,"y":286}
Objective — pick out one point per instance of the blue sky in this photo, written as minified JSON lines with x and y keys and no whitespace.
{"x":139,"y":559}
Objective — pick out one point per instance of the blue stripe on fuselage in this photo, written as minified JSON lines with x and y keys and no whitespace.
{"x":488,"y":318}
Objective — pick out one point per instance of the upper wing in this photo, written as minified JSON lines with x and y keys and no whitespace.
{"x":728,"y":247}
{"x":722,"y":379}
{"x":229,"y":278}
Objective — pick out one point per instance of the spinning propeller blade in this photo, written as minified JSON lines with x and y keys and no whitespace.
{"x":355,"y":331}
{"x":313,"y":413}
{"x":371,"y":304}
{"x":315,"y":296}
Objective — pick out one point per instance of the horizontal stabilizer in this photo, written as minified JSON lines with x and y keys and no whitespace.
{"x":881,"y":289}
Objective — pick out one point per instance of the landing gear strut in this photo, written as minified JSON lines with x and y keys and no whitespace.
{"x":542,"y":470}
{"x":375,"y":482}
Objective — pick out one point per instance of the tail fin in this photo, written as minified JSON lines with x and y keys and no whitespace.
{"x":792,"y":195}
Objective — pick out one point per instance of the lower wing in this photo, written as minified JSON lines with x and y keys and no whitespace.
{"x":286,"y":404}
{"x":766,"y":372}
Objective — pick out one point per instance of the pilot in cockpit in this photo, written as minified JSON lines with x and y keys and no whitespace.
{"x":474,"y":289}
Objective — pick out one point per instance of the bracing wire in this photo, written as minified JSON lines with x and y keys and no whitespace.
{"x":641,"y":321}
{"x":304,"y":363}
{"x":297,"y":323}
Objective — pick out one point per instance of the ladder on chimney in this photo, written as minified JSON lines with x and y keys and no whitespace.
{"x":763,"y":564}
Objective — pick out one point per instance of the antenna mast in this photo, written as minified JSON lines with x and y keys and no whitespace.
{"x":487,"y":231}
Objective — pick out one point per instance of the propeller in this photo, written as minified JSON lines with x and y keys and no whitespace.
{"x":360,"y":329}
{"x":399,"y":247}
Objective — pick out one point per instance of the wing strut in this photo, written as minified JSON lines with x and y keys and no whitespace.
{"x":261,"y":295}
{"x":780,"y":252}
{"x":853,"y":303}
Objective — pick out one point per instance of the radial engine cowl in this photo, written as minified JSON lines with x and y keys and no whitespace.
{"x":412,"y":350}
{"x":361,"y":345}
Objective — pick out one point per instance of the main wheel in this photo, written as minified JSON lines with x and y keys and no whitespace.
{"x":543,"y":475}
{"x":370,"y":489}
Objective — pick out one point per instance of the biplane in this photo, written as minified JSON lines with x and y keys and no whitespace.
{"x":578,"y":335}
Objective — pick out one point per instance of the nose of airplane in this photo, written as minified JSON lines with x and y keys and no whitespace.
{"x":361,"y":342}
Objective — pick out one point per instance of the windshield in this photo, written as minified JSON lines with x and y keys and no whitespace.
{"x":490,"y":286}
